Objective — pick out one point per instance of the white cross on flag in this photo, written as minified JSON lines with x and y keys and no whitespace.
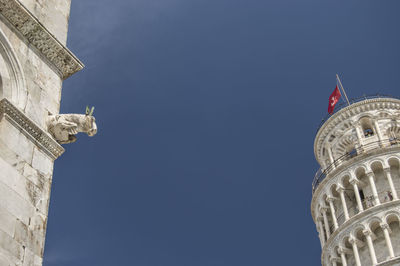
{"x":333,"y":99}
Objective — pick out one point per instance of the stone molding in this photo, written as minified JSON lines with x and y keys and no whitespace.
{"x":32,"y":131}
{"x":348,"y":112}
{"x":36,"y":34}
{"x":391,"y":262}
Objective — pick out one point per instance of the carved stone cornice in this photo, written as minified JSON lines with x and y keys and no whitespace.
{"x":32,"y":131}
{"x":36,"y":34}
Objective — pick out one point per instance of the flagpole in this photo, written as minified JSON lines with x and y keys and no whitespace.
{"x":338,"y":86}
{"x":344,"y":92}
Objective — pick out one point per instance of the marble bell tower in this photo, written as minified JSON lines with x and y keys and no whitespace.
{"x":355,"y":203}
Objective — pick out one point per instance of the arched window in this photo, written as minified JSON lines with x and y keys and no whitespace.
{"x":351,"y":150}
{"x":367,"y":128}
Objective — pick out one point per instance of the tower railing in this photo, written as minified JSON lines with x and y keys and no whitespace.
{"x":340,"y":106}
{"x":360,"y":149}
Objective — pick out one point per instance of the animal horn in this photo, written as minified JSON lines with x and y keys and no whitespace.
{"x":87,"y":110}
{"x":91,"y":111}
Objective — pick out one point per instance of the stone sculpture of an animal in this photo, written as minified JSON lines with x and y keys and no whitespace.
{"x":64,"y":127}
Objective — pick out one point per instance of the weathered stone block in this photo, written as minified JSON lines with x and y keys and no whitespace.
{"x":42,"y":162}
{"x":31,"y":239}
{"x":15,"y":140}
{"x":10,"y":246}
{"x":15,"y":204}
{"x":37,"y":196}
{"x":7,"y":222}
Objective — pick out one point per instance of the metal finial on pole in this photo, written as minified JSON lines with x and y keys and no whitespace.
{"x":341,"y":86}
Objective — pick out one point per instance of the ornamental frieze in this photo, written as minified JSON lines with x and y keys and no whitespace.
{"x":32,"y":131}
{"x":36,"y":34}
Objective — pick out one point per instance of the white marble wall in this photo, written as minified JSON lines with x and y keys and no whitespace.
{"x":25,"y":168}
{"x":53,"y":14}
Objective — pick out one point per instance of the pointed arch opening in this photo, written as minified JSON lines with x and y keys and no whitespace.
{"x":12,"y":81}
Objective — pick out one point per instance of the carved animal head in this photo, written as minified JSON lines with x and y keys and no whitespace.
{"x":64,"y":127}
{"x":90,"y":125}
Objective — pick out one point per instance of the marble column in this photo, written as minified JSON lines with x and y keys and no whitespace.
{"x":390,"y":181}
{"x":355,"y":182}
{"x":373,"y":188}
{"x":327,"y":231}
{"x":353,"y":241}
{"x":368,"y":236}
{"x":378,"y":131}
{"x":341,"y":189}
{"x":386,"y":229}
{"x":332,"y":207}
{"x":321,"y":231}
{"x":330,"y":155}
{"x":343,"y":256}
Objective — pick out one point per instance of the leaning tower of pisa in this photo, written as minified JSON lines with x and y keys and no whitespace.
{"x":355,"y":203}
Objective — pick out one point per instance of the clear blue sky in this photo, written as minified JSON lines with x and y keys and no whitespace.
{"x":207,"y":111}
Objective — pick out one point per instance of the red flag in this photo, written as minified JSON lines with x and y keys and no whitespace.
{"x":333,"y":99}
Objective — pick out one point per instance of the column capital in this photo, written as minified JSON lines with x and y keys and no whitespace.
{"x":385,"y":226}
{"x":335,"y":259}
{"x":323,"y":209}
{"x":340,"y":188}
{"x":367,"y":232}
{"x":353,"y":240}
{"x":354,"y":180}
{"x":386,"y":169}
{"x":370,"y":173}
{"x":344,"y":250}
{"x":331,"y":199}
